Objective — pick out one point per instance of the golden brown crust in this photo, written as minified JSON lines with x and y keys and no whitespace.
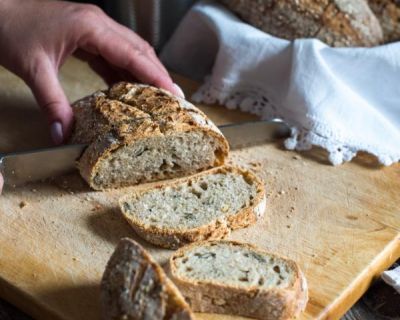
{"x":267,"y":304}
{"x":127,"y":113}
{"x":217,"y":229}
{"x":336,"y":22}
{"x":135,"y":287}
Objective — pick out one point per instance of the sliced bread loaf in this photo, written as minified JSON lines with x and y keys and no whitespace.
{"x":236,"y":278}
{"x":135,"y":287}
{"x":204,"y":206}
{"x":137,"y":133}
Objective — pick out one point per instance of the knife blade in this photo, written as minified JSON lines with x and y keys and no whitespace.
{"x":22,"y":167}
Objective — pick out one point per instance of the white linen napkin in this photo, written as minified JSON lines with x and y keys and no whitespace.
{"x":342,"y":99}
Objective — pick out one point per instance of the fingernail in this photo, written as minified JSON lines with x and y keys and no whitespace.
{"x":179,"y":91}
{"x":56,"y":132}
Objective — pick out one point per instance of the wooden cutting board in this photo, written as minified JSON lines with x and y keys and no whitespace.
{"x":341,"y":224}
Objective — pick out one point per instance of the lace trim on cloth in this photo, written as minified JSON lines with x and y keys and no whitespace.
{"x":303,"y":135}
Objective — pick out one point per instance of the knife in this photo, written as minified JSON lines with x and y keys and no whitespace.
{"x":22,"y":167}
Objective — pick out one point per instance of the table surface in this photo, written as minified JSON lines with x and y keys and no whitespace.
{"x":278,"y":178}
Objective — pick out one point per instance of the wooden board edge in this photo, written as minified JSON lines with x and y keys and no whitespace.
{"x":361,"y":284}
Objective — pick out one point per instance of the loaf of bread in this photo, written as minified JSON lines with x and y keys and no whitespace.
{"x":137,"y":133}
{"x":204,"y":206}
{"x":135,"y":287}
{"x":236,"y":278}
{"x":388,"y":14}
{"x":339,"y":23}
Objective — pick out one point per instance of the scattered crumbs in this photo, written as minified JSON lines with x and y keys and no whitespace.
{"x":74,"y":259}
{"x":34,"y":275}
{"x":287,"y":216}
{"x":87,"y":198}
{"x":282,"y":192}
{"x":33,"y":190}
{"x":22,"y":204}
{"x":255,"y":164}
{"x":313,"y":255}
{"x":288,"y":226}
{"x":71,"y":192}
{"x":292,"y":209}
{"x":296,"y":157}
{"x":296,"y":188}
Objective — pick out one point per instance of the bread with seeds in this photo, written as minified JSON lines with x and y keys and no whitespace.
{"x":201,"y":207}
{"x":135,"y":287}
{"x":339,"y":23}
{"x":236,"y":278}
{"x":388,"y":14}
{"x":137,"y":133}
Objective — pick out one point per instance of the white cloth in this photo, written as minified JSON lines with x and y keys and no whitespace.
{"x":342,"y":99}
{"x":392,"y":278}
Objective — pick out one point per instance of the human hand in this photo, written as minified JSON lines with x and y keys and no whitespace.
{"x":36,"y":37}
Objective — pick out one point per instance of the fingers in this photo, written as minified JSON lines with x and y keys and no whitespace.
{"x":122,"y":48}
{"x":44,"y":83}
{"x":1,"y":183}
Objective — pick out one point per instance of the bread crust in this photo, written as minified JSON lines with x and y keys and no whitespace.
{"x":266,"y":304}
{"x":339,"y":23}
{"x":158,"y":297}
{"x":216,"y":229}
{"x":388,"y":14}
{"x":126,"y":114}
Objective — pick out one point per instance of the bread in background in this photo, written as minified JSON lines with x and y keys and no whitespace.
{"x":338,"y":23}
{"x":388,"y":14}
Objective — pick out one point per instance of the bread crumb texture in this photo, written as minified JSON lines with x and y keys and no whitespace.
{"x":195,"y":202}
{"x":229,"y":264}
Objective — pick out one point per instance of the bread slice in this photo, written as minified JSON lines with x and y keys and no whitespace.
{"x":137,"y":133}
{"x":237,"y":278}
{"x":204,"y":206}
{"x":135,"y":287}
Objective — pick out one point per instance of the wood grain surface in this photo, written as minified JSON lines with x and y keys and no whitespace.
{"x":341,"y":224}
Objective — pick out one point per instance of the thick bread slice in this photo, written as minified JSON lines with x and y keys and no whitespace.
{"x":137,"y":133}
{"x":201,"y":207}
{"x":237,"y":278}
{"x":134,"y":287}
{"x":339,"y":23}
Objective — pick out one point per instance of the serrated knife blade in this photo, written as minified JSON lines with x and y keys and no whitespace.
{"x":22,"y":167}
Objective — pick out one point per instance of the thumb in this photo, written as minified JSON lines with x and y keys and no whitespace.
{"x":51,"y":98}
